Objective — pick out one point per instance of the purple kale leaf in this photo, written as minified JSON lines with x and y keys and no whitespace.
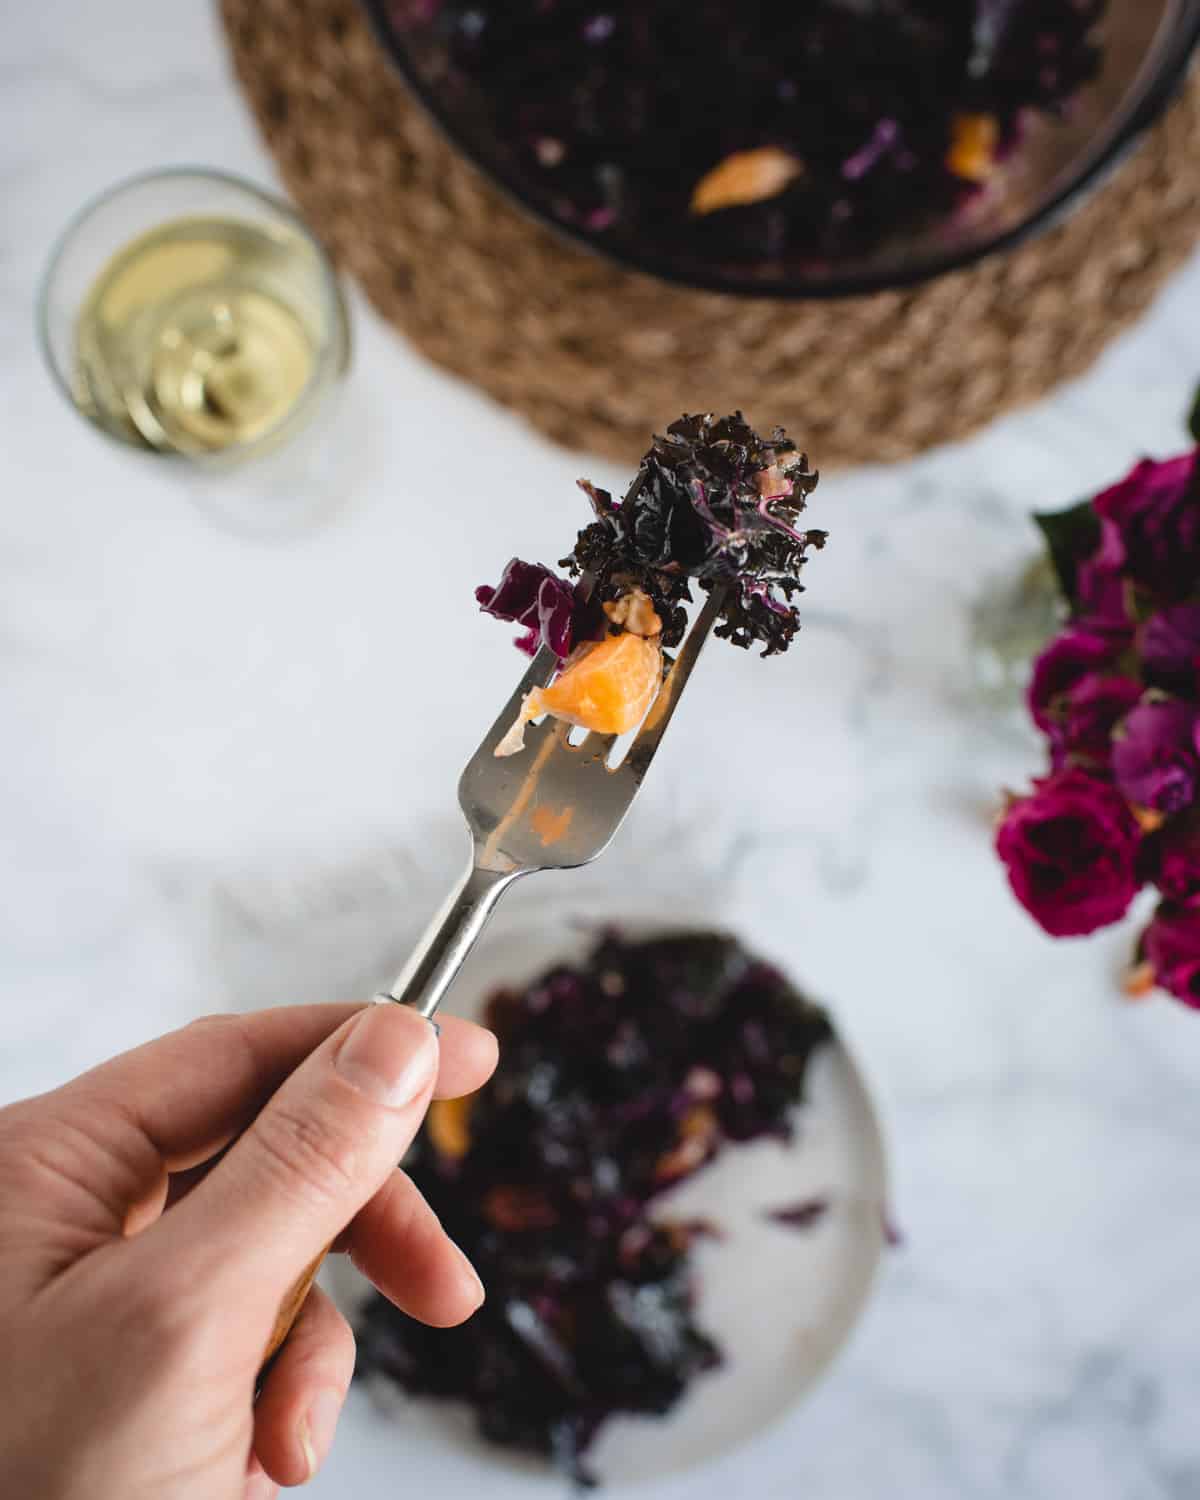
{"x":714,"y":501}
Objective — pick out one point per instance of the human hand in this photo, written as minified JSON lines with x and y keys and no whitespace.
{"x":143,"y":1258}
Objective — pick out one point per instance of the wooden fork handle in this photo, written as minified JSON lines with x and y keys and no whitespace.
{"x":289,"y":1308}
{"x":422,"y":984}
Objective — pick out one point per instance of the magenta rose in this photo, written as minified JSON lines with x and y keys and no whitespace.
{"x":1173,"y":859}
{"x":1156,"y":512}
{"x":1171,"y":946}
{"x":1077,"y":653}
{"x":1071,"y":852}
{"x":1101,"y":596}
{"x":1086,"y":715}
{"x":1155,"y":759}
{"x":1170,"y":650}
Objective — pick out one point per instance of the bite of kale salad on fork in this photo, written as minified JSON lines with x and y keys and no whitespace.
{"x":714,"y":505}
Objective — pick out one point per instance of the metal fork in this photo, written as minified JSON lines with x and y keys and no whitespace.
{"x":554,"y":806}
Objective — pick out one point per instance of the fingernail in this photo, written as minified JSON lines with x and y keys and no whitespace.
{"x":390,"y":1054}
{"x":472,"y":1275}
{"x":317,"y":1428}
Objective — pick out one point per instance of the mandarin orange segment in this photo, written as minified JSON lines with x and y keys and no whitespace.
{"x":448,"y":1126}
{"x":745,"y":177}
{"x":609,"y":687}
{"x":973,"y":143}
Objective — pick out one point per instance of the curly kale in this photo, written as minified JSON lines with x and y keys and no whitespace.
{"x":712,"y":501}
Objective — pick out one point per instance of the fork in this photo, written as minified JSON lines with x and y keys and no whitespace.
{"x":554,"y":806}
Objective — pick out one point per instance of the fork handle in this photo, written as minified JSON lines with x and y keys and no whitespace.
{"x":439,"y":955}
{"x":421,"y":984}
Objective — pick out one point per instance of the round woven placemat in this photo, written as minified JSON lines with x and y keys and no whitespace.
{"x":597,"y":357}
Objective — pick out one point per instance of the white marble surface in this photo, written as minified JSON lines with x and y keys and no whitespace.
{"x":226,"y":779}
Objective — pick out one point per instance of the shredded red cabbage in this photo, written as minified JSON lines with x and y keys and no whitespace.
{"x":551,"y":611}
{"x":803,"y":1215}
{"x":617,"y":1080}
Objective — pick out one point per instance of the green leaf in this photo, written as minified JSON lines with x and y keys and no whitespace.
{"x":1193,"y":421}
{"x":1072,"y":537}
{"x":1140,"y":606}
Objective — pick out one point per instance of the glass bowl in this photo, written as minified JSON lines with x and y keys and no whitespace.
{"x":1146,"y":48}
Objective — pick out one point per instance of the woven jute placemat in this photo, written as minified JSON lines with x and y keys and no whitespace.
{"x":596,"y":357}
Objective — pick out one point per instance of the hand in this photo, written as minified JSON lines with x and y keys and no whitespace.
{"x":143,"y":1258}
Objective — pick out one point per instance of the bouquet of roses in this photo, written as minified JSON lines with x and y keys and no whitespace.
{"x":1117,"y":696}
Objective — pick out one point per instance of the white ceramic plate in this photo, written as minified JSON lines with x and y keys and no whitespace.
{"x":780,"y":1301}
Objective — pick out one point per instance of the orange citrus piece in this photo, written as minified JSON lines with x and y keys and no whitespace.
{"x":973,"y":142}
{"x":606,"y":687}
{"x":745,"y":177}
{"x":609,"y":687}
{"x":447,"y":1122}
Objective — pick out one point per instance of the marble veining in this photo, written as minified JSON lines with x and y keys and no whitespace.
{"x":227,"y":779}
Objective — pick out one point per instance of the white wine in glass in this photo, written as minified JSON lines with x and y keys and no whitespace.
{"x":190,"y":315}
{"x":198,"y":336}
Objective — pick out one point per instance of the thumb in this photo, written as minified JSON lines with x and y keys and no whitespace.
{"x":317,"y":1153}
